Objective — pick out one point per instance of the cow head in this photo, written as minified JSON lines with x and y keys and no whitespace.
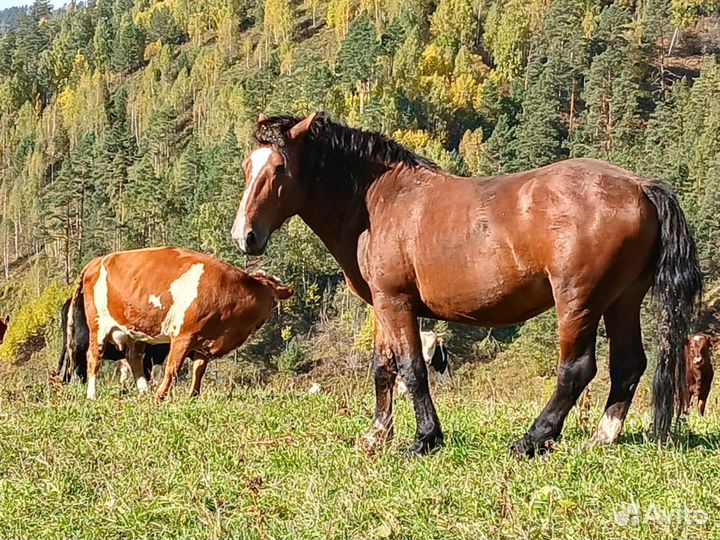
{"x":280,"y":291}
{"x":698,"y":348}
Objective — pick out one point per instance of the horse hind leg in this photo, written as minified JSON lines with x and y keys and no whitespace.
{"x":627,"y":362}
{"x":578,"y":330}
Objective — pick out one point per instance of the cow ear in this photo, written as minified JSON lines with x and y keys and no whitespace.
{"x":262,"y":118}
{"x":283,"y":293}
{"x":300,"y":129}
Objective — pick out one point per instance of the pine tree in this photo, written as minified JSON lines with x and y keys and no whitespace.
{"x":128,"y":46}
{"x":538,"y":133}
{"x":499,"y":152}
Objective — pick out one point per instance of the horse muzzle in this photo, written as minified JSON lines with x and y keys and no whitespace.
{"x":251,"y":242}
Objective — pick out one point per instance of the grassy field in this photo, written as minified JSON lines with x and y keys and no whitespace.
{"x":275,"y":462}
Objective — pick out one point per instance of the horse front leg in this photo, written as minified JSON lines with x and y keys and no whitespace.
{"x":384,"y":373}
{"x":402,"y":334}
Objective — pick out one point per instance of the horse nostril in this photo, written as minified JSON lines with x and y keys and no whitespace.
{"x":250,"y":240}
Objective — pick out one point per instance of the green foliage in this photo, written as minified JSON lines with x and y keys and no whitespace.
{"x":290,"y":360}
{"x":357,"y":52}
{"x":365,"y":338}
{"x":537,"y":345}
{"x":32,"y":318}
{"x":124,"y":123}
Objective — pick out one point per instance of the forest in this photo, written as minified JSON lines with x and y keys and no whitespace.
{"x":123,"y":123}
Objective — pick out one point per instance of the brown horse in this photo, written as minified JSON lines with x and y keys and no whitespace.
{"x":415,"y":241}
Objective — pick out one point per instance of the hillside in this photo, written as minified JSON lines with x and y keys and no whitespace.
{"x":123,"y":123}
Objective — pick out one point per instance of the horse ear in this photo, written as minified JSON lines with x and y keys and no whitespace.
{"x":262,"y":118}
{"x":301,"y":128}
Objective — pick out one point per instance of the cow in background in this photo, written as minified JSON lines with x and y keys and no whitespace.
{"x":435,"y":354}
{"x":154,"y":354}
{"x":4,"y":323}
{"x":197,"y":304}
{"x":699,"y":371}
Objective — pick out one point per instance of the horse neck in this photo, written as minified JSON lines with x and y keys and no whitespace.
{"x":339,"y":222}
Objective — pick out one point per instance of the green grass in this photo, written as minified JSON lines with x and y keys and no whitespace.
{"x":274,"y":462}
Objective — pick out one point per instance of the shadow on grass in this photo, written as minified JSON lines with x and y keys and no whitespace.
{"x":687,"y":440}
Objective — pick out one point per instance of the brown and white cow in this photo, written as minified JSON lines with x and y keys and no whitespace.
{"x":197,"y":303}
{"x":4,"y":323}
{"x":699,"y":371}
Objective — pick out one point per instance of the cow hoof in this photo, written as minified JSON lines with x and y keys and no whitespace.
{"x":425,"y":445}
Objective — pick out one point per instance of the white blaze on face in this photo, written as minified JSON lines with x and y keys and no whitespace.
{"x":155,"y":301}
{"x":258,"y":159}
{"x":184,"y":291}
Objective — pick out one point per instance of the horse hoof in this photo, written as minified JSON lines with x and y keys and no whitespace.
{"x":528,"y":448}
{"x":523,"y":448}
{"x":424,"y":445}
{"x":373,"y":440}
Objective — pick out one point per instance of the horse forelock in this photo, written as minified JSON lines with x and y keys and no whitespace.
{"x":337,"y":153}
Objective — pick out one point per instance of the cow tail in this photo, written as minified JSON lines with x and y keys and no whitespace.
{"x":76,"y":303}
{"x":677,"y":289}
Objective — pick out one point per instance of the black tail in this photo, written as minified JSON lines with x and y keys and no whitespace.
{"x":439,"y":361}
{"x":76,"y":336}
{"x":677,"y":289}
{"x":62,"y":370}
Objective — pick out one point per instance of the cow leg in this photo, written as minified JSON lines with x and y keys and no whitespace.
{"x":384,"y":373}
{"x":577,"y":327}
{"x":627,"y":364}
{"x":401,"y":331}
{"x":701,"y":406}
{"x":199,"y":366}
{"x":179,"y":350}
{"x":124,"y":372}
{"x":134,"y":355}
{"x":94,"y":359}
{"x":703,"y":395}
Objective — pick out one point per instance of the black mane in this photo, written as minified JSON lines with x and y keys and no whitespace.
{"x":337,"y":153}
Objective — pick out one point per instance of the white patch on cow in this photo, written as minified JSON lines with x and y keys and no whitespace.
{"x":258,"y":159}
{"x":155,"y":301}
{"x":697,"y":338}
{"x":108,"y":327}
{"x":92,"y":387}
{"x":184,"y":291}
{"x":142,"y":385}
{"x":428,"y":341}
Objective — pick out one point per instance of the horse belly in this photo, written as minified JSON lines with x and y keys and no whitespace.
{"x":500,"y":302}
